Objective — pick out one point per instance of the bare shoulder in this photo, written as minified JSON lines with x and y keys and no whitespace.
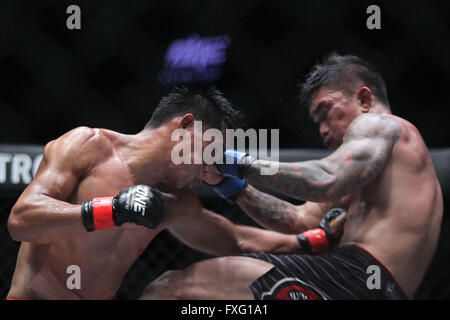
{"x":411,"y":143}
{"x":408,"y":129}
{"x":371,"y":125}
{"x":78,"y":147}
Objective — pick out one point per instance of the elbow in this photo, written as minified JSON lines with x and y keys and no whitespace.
{"x":243,"y":243}
{"x":19,"y":230}
{"x":19,"y":225}
{"x":242,"y":247}
{"x":15,"y":227}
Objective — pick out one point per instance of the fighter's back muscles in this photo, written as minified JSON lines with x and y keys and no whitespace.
{"x":367,"y":145}
{"x":41,"y":214}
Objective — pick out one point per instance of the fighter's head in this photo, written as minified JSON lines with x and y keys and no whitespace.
{"x":181,"y":110}
{"x":338,"y":90}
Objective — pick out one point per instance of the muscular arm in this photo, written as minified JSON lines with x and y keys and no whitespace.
{"x":42,"y":213}
{"x":367,"y":145}
{"x":212,"y":233}
{"x":282,"y":216}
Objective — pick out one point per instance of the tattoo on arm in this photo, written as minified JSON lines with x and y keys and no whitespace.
{"x":269,"y":211}
{"x":367,"y":145}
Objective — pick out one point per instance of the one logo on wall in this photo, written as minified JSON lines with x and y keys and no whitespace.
{"x":195,"y":59}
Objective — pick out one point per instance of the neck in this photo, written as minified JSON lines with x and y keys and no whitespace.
{"x":147,"y":155}
{"x":379,"y":109}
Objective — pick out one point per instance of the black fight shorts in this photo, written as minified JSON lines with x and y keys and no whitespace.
{"x":347,"y":273}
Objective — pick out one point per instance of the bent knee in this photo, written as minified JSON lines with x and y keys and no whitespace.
{"x":164,"y":287}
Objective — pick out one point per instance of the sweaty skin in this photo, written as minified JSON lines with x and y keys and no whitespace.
{"x":83,"y":164}
{"x":396,"y":202}
{"x":86,"y":163}
{"x":276,"y":214}
{"x":397,"y":217}
{"x":380,"y":166}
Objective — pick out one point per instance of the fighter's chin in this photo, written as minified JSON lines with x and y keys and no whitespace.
{"x":188,"y":183}
{"x":194,"y":183}
{"x":331,"y":144}
{"x":327,"y":143}
{"x":182,"y":185}
{"x":177,"y":183}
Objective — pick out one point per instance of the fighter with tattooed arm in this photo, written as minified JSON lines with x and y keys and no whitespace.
{"x":380,"y":165}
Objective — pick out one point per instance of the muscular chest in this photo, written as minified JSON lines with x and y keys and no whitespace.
{"x":105,"y":179}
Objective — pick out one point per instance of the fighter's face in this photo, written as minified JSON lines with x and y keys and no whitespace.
{"x":333,"y":111}
{"x":190,"y":171}
{"x":191,"y":148}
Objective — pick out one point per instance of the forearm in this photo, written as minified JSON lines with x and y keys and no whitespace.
{"x":259,"y":240}
{"x":270,"y":212}
{"x":216,"y":235}
{"x":308,"y":180}
{"x":42,"y":219}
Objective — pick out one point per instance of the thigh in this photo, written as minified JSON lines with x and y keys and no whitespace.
{"x":224,"y":278}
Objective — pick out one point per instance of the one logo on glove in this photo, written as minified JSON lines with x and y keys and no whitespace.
{"x":139,"y":200}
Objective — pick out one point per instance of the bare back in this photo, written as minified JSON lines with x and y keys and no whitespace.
{"x":397,"y":217}
{"x":103,"y":256}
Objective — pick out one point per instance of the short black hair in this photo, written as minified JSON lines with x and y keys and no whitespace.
{"x":206,"y":103}
{"x":343,"y":73}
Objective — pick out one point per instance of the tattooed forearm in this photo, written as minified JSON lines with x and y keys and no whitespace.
{"x":270,"y":212}
{"x":366,"y":148}
{"x":305,"y":180}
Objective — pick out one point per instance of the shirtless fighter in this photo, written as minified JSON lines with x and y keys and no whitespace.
{"x":380,"y":164}
{"x":70,"y":214}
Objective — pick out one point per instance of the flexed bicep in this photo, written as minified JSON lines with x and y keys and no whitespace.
{"x":42,"y":213}
{"x":366,"y":148}
{"x":367,"y":145}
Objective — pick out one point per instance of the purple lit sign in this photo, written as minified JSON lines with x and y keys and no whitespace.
{"x":195,"y":59}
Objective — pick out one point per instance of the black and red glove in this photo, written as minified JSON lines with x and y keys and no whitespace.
{"x":140,"y":204}
{"x":320,"y":240}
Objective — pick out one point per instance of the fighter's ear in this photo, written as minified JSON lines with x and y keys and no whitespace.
{"x":186,"y":121}
{"x":365,"y":98}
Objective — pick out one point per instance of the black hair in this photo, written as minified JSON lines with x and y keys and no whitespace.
{"x":343,"y":73}
{"x":206,"y":103}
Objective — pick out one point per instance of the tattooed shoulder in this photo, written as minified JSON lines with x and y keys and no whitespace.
{"x":373,"y":125}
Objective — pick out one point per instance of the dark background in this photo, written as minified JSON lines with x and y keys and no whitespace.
{"x":105,"y":75}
